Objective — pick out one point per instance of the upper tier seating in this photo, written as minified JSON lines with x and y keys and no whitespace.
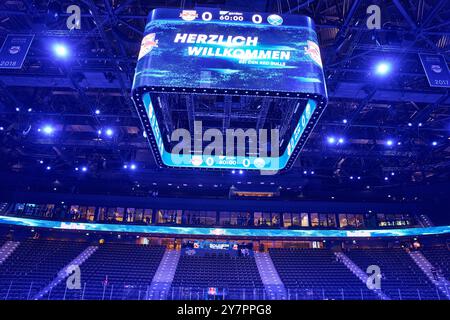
{"x":238,"y":276}
{"x":401,"y":277}
{"x":115,"y":271}
{"x":33,"y":265}
{"x":439,"y":256}
{"x":316,"y":274}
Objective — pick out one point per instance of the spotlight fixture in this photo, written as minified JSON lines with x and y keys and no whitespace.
{"x":383,"y":68}
{"x":48,"y":129}
{"x":60,"y":50}
{"x":109,"y":132}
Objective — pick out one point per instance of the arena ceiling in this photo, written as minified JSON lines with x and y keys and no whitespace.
{"x":365,"y":111}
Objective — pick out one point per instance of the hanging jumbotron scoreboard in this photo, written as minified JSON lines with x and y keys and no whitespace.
{"x":222,"y":53}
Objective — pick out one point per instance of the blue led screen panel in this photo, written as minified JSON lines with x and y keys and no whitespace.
{"x":214,"y":52}
{"x":225,"y":232}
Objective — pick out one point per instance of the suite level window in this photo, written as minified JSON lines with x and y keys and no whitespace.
{"x":138,"y":215}
{"x":295,"y":220}
{"x":169,"y":216}
{"x":287,"y":220}
{"x":314,"y":219}
{"x":199,"y":217}
{"x":351,"y":220}
{"x":130,"y":216}
{"x":90,"y":213}
{"x":266,"y":219}
{"x":148,"y":216}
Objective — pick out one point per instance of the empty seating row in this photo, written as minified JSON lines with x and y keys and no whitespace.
{"x":238,"y":276}
{"x":33,"y":265}
{"x":401,"y":278}
{"x":316,"y":274}
{"x":115,"y":271}
{"x":439,"y":256}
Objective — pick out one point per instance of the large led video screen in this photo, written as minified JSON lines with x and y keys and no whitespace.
{"x":216,"y":52}
{"x":226,"y":50}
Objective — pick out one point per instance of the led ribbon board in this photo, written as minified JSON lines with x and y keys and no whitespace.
{"x":214,"y":52}
{"x":224,"y":232}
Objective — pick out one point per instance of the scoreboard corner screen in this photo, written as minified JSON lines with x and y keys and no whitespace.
{"x":223,"y":53}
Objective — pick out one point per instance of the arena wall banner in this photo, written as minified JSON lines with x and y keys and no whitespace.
{"x":14,"y":50}
{"x":215,"y":52}
{"x":436,"y":69}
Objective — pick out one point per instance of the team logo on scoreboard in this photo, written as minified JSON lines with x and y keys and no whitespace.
{"x":275,"y":20}
{"x":259,"y":163}
{"x":148,"y":43}
{"x":313,"y":52}
{"x":436,"y":68}
{"x":196,"y":160}
{"x":14,"y":49}
{"x":188,"y":15}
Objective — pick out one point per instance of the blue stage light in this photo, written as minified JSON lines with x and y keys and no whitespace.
{"x":48,"y":129}
{"x":84,"y":169}
{"x":341,"y":140}
{"x":109,"y":132}
{"x":241,"y":171}
{"x":48,"y":168}
{"x":389,"y":142}
{"x":383,"y":68}
{"x":434,"y":143}
{"x":133,"y":167}
{"x":125,"y":166}
{"x":60,"y":50}
{"x":331,"y":140}
{"x":233,"y":171}
{"x":97,"y":111}
{"x":344,"y":121}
